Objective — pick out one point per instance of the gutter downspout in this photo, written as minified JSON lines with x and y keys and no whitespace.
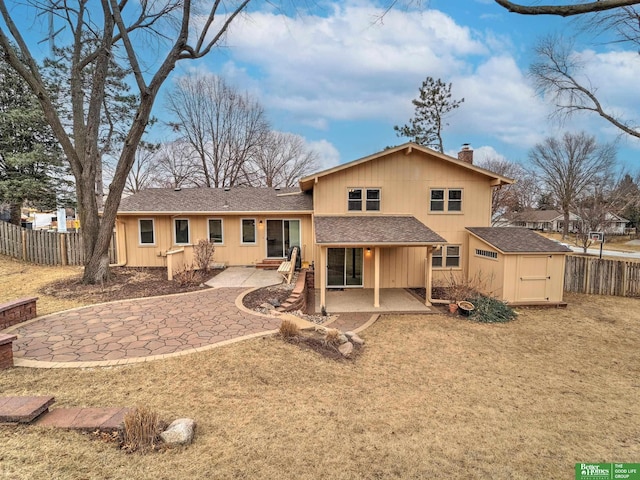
{"x":121,"y":263}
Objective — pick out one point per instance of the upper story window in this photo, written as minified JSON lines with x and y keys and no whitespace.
{"x":446,"y":200}
{"x":147,"y":233}
{"x":181,"y":230}
{"x":215,"y":230}
{"x":371,"y":197}
{"x":248,"y":230}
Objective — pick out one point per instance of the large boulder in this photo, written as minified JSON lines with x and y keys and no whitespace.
{"x":354,"y":338}
{"x":180,"y":432}
{"x":346,"y":349}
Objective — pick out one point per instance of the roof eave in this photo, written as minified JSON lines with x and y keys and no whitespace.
{"x":217,"y":212}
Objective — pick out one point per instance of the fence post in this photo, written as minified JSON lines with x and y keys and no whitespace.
{"x":625,"y":273}
{"x":24,"y":245}
{"x":63,"y":249}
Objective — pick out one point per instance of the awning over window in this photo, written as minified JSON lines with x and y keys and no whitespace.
{"x":374,"y":230}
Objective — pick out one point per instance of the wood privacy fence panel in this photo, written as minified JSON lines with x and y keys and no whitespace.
{"x":45,"y":248}
{"x":602,"y":277}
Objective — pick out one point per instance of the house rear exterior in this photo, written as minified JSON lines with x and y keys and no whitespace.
{"x":395,"y":219}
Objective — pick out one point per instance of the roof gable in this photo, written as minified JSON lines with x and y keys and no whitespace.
{"x":307,"y":182}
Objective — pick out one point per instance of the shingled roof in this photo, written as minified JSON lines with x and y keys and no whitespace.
{"x":374,"y":230}
{"x":517,"y":240}
{"x":217,"y":200}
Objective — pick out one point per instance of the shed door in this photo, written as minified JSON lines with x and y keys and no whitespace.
{"x":534,"y":278}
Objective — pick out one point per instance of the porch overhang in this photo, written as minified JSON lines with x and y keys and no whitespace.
{"x":374,"y":231}
{"x":378,"y":232}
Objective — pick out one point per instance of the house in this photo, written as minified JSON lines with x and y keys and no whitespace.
{"x":395,"y":219}
{"x":553,"y":221}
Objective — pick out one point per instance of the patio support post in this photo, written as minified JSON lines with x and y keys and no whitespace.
{"x":376,"y":276}
{"x":323,"y":277}
{"x":428,"y":276}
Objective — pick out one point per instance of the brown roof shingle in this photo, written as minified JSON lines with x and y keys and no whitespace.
{"x":217,"y":200}
{"x":371,"y":230}
{"x":517,"y":240}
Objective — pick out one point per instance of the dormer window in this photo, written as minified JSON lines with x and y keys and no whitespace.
{"x":370,"y":196}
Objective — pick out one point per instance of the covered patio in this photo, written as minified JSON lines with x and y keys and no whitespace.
{"x":397,"y":300}
{"x":351,"y":260}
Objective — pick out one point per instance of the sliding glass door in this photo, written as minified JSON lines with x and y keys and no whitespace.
{"x":344,"y":267}
{"x":282,"y":235}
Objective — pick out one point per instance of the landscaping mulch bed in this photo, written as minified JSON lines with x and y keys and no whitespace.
{"x":127,"y":282}
{"x":314,"y":341}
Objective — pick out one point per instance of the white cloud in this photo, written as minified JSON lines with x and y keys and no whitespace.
{"x":327,"y":153}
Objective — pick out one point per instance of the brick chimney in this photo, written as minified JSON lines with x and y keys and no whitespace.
{"x":466,"y":153}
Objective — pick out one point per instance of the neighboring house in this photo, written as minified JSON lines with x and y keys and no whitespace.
{"x":395,"y":219}
{"x":553,"y":221}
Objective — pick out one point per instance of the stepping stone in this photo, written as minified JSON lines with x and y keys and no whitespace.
{"x":86,"y":419}
{"x":23,"y":409}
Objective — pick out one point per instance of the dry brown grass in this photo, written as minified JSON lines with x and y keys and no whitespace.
{"x":289,"y":329}
{"x":19,"y":280}
{"x":430,"y":397}
{"x":141,"y":430}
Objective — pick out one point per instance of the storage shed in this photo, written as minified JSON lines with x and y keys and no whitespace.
{"x":517,"y":265}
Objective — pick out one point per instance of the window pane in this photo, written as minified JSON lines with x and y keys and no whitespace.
{"x":453,"y":256}
{"x":373,"y":199}
{"x":215,"y":230}
{"x":355,"y":199}
{"x":248,"y":231}
{"x":182,"y":230}
{"x":146,"y":231}
{"x":437,"y":200}
{"x":455,"y":200}
{"x":436,"y":259}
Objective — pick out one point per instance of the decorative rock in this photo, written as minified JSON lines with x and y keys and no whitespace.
{"x":346,"y":349}
{"x":267,"y":306}
{"x":342,"y":338}
{"x":274,"y":302}
{"x":354,"y":338}
{"x":180,"y":432}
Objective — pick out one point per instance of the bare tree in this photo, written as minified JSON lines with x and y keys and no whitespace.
{"x":282,"y":160}
{"x":143,"y":171}
{"x":566,"y":10}
{"x":181,"y":32}
{"x":516,"y":197}
{"x":558,"y":75}
{"x":570,"y":165}
{"x":225,"y":128}
{"x":176,"y":165}
{"x":431,"y":109}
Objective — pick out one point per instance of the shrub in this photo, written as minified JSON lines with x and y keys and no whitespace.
{"x":331,"y":337}
{"x":203,"y":254}
{"x":141,"y":430}
{"x":289,"y":329}
{"x":491,"y":310}
{"x":187,"y":276}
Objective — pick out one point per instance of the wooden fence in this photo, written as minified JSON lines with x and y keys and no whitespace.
{"x":45,"y":248}
{"x":602,"y":277}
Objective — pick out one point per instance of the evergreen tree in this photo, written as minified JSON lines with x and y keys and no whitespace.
{"x":435,"y":102}
{"x":30,"y":158}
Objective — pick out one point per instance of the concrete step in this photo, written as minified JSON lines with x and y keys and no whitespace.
{"x":23,"y":409}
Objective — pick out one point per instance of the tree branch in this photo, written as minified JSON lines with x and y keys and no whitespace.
{"x":565,"y":10}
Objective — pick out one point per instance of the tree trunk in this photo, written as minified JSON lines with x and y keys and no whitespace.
{"x":15,"y":209}
{"x":565,"y":227}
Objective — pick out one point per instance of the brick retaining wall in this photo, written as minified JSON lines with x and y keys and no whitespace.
{"x":6,"y":350}
{"x":17,"y":311}
{"x":298,"y":298}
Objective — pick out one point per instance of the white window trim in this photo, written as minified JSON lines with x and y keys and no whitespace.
{"x":175,"y":241}
{"x":445,"y":201}
{"x":487,"y":254}
{"x":379,"y":199}
{"x":153,"y":227}
{"x":221,"y":229}
{"x":255,"y":232}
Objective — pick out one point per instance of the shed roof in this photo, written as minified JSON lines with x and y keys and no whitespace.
{"x":517,"y":240}
{"x":307,"y":182}
{"x":374,"y":230}
{"x":216,"y":200}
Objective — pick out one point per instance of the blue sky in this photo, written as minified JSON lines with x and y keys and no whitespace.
{"x":340,"y":77}
{"x":343,"y":80}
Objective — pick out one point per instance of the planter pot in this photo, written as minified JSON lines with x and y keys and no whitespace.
{"x":466,"y":307}
{"x":453,"y":307}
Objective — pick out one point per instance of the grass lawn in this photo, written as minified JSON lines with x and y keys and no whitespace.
{"x":430,"y":397}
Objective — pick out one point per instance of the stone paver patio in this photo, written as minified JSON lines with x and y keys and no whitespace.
{"x":130,"y":330}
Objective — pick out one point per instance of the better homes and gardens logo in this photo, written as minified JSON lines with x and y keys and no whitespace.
{"x":607,"y":471}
